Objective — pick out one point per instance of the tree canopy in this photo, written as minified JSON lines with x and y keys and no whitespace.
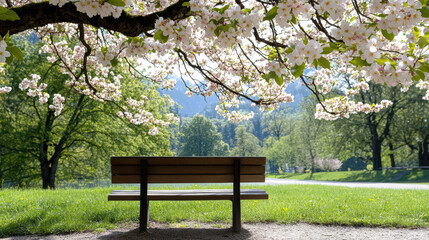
{"x":201,"y":139}
{"x":237,"y":50}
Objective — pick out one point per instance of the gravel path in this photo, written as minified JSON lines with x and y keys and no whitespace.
{"x":350,"y":184}
{"x":257,"y":231}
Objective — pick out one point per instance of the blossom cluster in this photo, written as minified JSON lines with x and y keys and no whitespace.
{"x":5,"y":89}
{"x":57,"y":104}
{"x":3,"y":53}
{"x":35,"y":89}
{"x":342,"y":107}
{"x":94,"y":8}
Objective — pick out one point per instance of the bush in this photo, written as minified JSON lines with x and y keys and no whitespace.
{"x":354,"y":163}
{"x":328,"y":164}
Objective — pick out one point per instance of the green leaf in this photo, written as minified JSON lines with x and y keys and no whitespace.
{"x":323,"y":62}
{"x":9,"y":15}
{"x":388,"y":36}
{"x":279,"y":80}
{"x":214,"y":21}
{"x":186,"y":4}
{"x":293,"y":20}
{"x":159,"y":35}
{"x":118,"y":3}
{"x":9,"y":59}
{"x":270,"y":15}
{"x":298,"y":70}
{"x":424,"y":68}
{"x":158,"y":4}
{"x":222,"y":28}
{"x":245,"y":11}
{"x":327,"y":50}
{"x":420,"y":73}
{"x":104,"y":50}
{"x":423,"y":42}
{"x":425,"y":11}
{"x":7,"y":37}
{"x":3,"y":10}
{"x":273,"y":75}
{"x":221,"y":10}
{"x":412,"y":46}
{"x":383,"y":61}
{"x":416,"y":32}
{"x":333,"y":45}
{"x":289,"y":50}
{"x":415,"y":78}
{"x":114,"y":62}
{"x":359,"y":62}
{"x":16,"y":52}
{"x":305,"y":40}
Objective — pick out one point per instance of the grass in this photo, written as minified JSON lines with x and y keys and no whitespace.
{"x":414,"y":176}
{"x":41,"y":212}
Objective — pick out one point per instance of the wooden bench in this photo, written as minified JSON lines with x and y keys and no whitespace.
{"x":144,"y":170}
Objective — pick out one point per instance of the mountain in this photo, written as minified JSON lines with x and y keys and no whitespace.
{"x":206,"y":105}
{"x":190,"y":105}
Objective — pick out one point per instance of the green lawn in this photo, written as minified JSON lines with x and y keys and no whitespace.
{"x":414,"y":176}
{"x":71,"y":210}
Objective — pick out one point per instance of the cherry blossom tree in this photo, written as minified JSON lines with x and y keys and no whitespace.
{"x":238,"y":50}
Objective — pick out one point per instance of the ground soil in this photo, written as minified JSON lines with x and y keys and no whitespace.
{"x":259,"y":231}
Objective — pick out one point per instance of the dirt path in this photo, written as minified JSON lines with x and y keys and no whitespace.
{"x":350,"y":184}
{"x":257,"y":231}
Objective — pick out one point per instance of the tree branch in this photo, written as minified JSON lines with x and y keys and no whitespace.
{"x":35,"y":15}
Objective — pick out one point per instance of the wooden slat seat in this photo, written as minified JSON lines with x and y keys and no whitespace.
{"x":161,"y":170}
{"x":183,"y":195}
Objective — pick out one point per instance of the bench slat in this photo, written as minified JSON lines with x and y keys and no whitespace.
{"x":177,"y":170}
{"x":172,"y":161}
{"x":180,"y":195}
{"x":187,"y":178}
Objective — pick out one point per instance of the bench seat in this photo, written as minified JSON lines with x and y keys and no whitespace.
{"x":183,"y":195}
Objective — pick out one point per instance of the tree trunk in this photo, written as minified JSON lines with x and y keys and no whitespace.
{"x":423,"y":153}
{"x":48,"y":177}
{"x":392,"y":156}
{"x":49,"y":166}
{"x":47,"y":182}
{"x":376,"y":142}
{"x":376,"y":154}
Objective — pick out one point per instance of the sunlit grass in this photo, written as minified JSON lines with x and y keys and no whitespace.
{"x":414,"y":176}
{"x":70,"y":210}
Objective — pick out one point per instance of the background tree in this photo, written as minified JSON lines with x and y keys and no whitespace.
{"x":201,"y":138}
{"x":86,"y":132}
{"x":281,"y":152}
{"x":278,"y":123}
{"x":246,"y":144}
{"x":308,"y":134}
{"x":411,"y":127}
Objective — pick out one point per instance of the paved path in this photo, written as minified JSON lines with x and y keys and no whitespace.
{"x":349,"y":184}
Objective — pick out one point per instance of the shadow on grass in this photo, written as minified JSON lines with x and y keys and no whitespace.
{"x":371,"y":176}
{"x":179,"y":233}
{"x":19,"y":227}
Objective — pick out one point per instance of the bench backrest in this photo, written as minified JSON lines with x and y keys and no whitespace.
{"x":187,"y":169}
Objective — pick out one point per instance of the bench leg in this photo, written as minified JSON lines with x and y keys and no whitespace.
{"x":144,"y":216}
{"x":236,"y":216}
{"x":236,"y":203}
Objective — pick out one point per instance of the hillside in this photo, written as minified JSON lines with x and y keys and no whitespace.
{"x":206,"y":105}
